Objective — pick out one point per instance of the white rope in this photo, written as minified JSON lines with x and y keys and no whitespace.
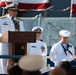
{"x":60,"y":9}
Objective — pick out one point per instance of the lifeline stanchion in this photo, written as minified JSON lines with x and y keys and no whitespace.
{"x":11,"y":56}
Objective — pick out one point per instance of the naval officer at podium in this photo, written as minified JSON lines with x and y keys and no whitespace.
{"x":12,"y":23}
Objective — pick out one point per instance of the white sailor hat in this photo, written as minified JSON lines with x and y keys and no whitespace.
{"x":31,"y":63}
{"x":65,"y":33}
{"x":37,"y":29}
{"x":12,"y":6}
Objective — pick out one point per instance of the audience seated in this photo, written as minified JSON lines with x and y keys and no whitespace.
{"x":31,"y":64}
{"x":66,"y":65}
{"x":57,"y":71}
{"x":14,"y":70}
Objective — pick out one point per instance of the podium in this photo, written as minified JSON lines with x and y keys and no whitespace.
{"x":18,"y":41}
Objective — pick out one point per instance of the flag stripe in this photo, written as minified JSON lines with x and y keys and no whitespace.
{"x":34,"y":6}
{"x":26,"y":1}
{"x":74,"y":8}
{"x":26,"y":6}
{"x":33,"y":1}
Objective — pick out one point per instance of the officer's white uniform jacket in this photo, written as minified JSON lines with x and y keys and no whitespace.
{"x":57,"y":53}
{"x":7,"y":24}
{"x":36,"y":48}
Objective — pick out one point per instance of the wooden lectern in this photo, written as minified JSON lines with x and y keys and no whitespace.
{"x":18,"y":42}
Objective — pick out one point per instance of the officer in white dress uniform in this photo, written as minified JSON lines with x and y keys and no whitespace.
{"x":7,"y":23}
{"x":62,"y":49}
{"x":38,"y":48}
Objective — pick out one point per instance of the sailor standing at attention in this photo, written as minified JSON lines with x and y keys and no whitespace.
{"x":9,"y":22}
{"x":40,"y":47}
{"x":62,"y":49}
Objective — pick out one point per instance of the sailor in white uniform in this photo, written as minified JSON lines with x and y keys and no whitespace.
{"x":12,"y":23}
{"x":40,"y":47}
{"x":62,"y":50}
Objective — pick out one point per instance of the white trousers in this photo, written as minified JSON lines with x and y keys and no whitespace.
{"x":3,"y":66}
{"x":3,"y":62}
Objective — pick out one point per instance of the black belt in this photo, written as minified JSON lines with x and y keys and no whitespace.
{"x":67,"y":49}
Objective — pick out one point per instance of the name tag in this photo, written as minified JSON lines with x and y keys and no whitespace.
{"x":34,"y":46}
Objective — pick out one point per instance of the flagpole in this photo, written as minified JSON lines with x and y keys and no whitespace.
{"x":71,"y":8}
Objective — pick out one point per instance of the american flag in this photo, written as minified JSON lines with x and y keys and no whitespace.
{"x":28,"y":4}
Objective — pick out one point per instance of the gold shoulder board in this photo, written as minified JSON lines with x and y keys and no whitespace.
{"x":41,"y":40}
{"x":2,"y":17}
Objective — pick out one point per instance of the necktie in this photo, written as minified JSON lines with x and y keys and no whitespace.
{"x":67,"y":49}
{"x":16,"y":23}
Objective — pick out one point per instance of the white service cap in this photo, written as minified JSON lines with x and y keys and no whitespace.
{"x":65,"y":33}
{"x":37,"y":29}
{"x":31,"y":63}
{"x":12,"y":6}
